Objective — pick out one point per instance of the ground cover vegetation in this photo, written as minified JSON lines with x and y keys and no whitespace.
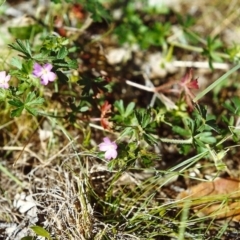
{"x":119,"y":119}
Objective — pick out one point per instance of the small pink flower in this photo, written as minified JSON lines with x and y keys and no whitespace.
{"x":44,"y":72}
{"x":4,"y":79}
{"x":110,"y":148}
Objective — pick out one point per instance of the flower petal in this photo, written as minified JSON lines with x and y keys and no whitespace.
{"x":4,"y":85}
{"x":107,"y":140}
{"x":2,"y":75}
{"x":44,"y":81}
{"x":7,"y":78}
{"x":103,"y":147}
{"x":110,"y":154}
{"x":37,"y":70}
{"x":37,"y":67}
{"x":4,"y":79}
{"x":51,"y":76}
{"x":48,"y":67}
{"x":114,"y":154}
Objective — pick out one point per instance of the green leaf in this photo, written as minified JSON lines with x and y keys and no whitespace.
{"x":29,"y":104}
{"x":207,"y":137}
{"x":22,"y":46}
{"x":32,"y":100}
{"x":199,"y":144}
{"x":62,"y":77}
{"x":3,"y":94}
{"x":228,"y":120}
{"x":128,"y":131}
{"x":213,"y":125}
{"x":27,"y":238}
{"x":143,"y":117}
{"x":93,"y":86}
{"x":41,"y":231}
{"x":236,"y":102}
{"x":98,"y":12}
{"x":202,"y":110}
{"x":150,"y":139}
{"x":30,"y":97}
{"x":70,"y":64}
{"x":16,"y":62}
{"x":43,"y":56}
{"x":27,"y":67}
{"x":228,"y":105}
{"x":181,"y":131}
{"x":185,"y":149}
{"x":119,"y":106}
{"x":147,"y":162}
{"x":84,"y":109}
{"x":63,"y":52}
{"x":16,"y":102}
{"x":233,"y":105}
{"x":32,"y":111}
{"x":129,"y":109}
{"x":25,"y":32}
{"x":16,"y":112}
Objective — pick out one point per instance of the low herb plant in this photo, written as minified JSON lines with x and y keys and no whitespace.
{"x":42,"y":80}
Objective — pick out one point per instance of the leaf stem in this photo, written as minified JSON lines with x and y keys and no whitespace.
{"x":214,"y":84}
{"x":177,"y":141}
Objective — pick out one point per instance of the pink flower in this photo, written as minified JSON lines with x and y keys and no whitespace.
{"x":4,"y":79}
{"x":44,"y":72}
{"x":110,"y":148}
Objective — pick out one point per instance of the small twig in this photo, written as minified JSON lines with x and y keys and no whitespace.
{"x":9,"y":174}
{"x":85,"y":25}
{"x":168,"y":103}
{"x":15,"y":161}
{"x":6,"y":124}
{"x":100,"y":128}
{"x":62,"y":150}
{"x":22,"y":149}
{"x":136,"y":85}
{"x":225,"y":23}
{"x":190,"y":64}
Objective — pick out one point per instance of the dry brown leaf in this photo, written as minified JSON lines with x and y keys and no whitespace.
{"x":219,"y":198}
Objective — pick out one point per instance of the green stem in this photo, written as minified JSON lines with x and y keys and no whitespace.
{"x":177,"y":141}
{"x":197,"y":49}
{"x":187,"y":47}
{"x":6,"y":172}
{"x":50,"y":115}
{"x":213,"y":85}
